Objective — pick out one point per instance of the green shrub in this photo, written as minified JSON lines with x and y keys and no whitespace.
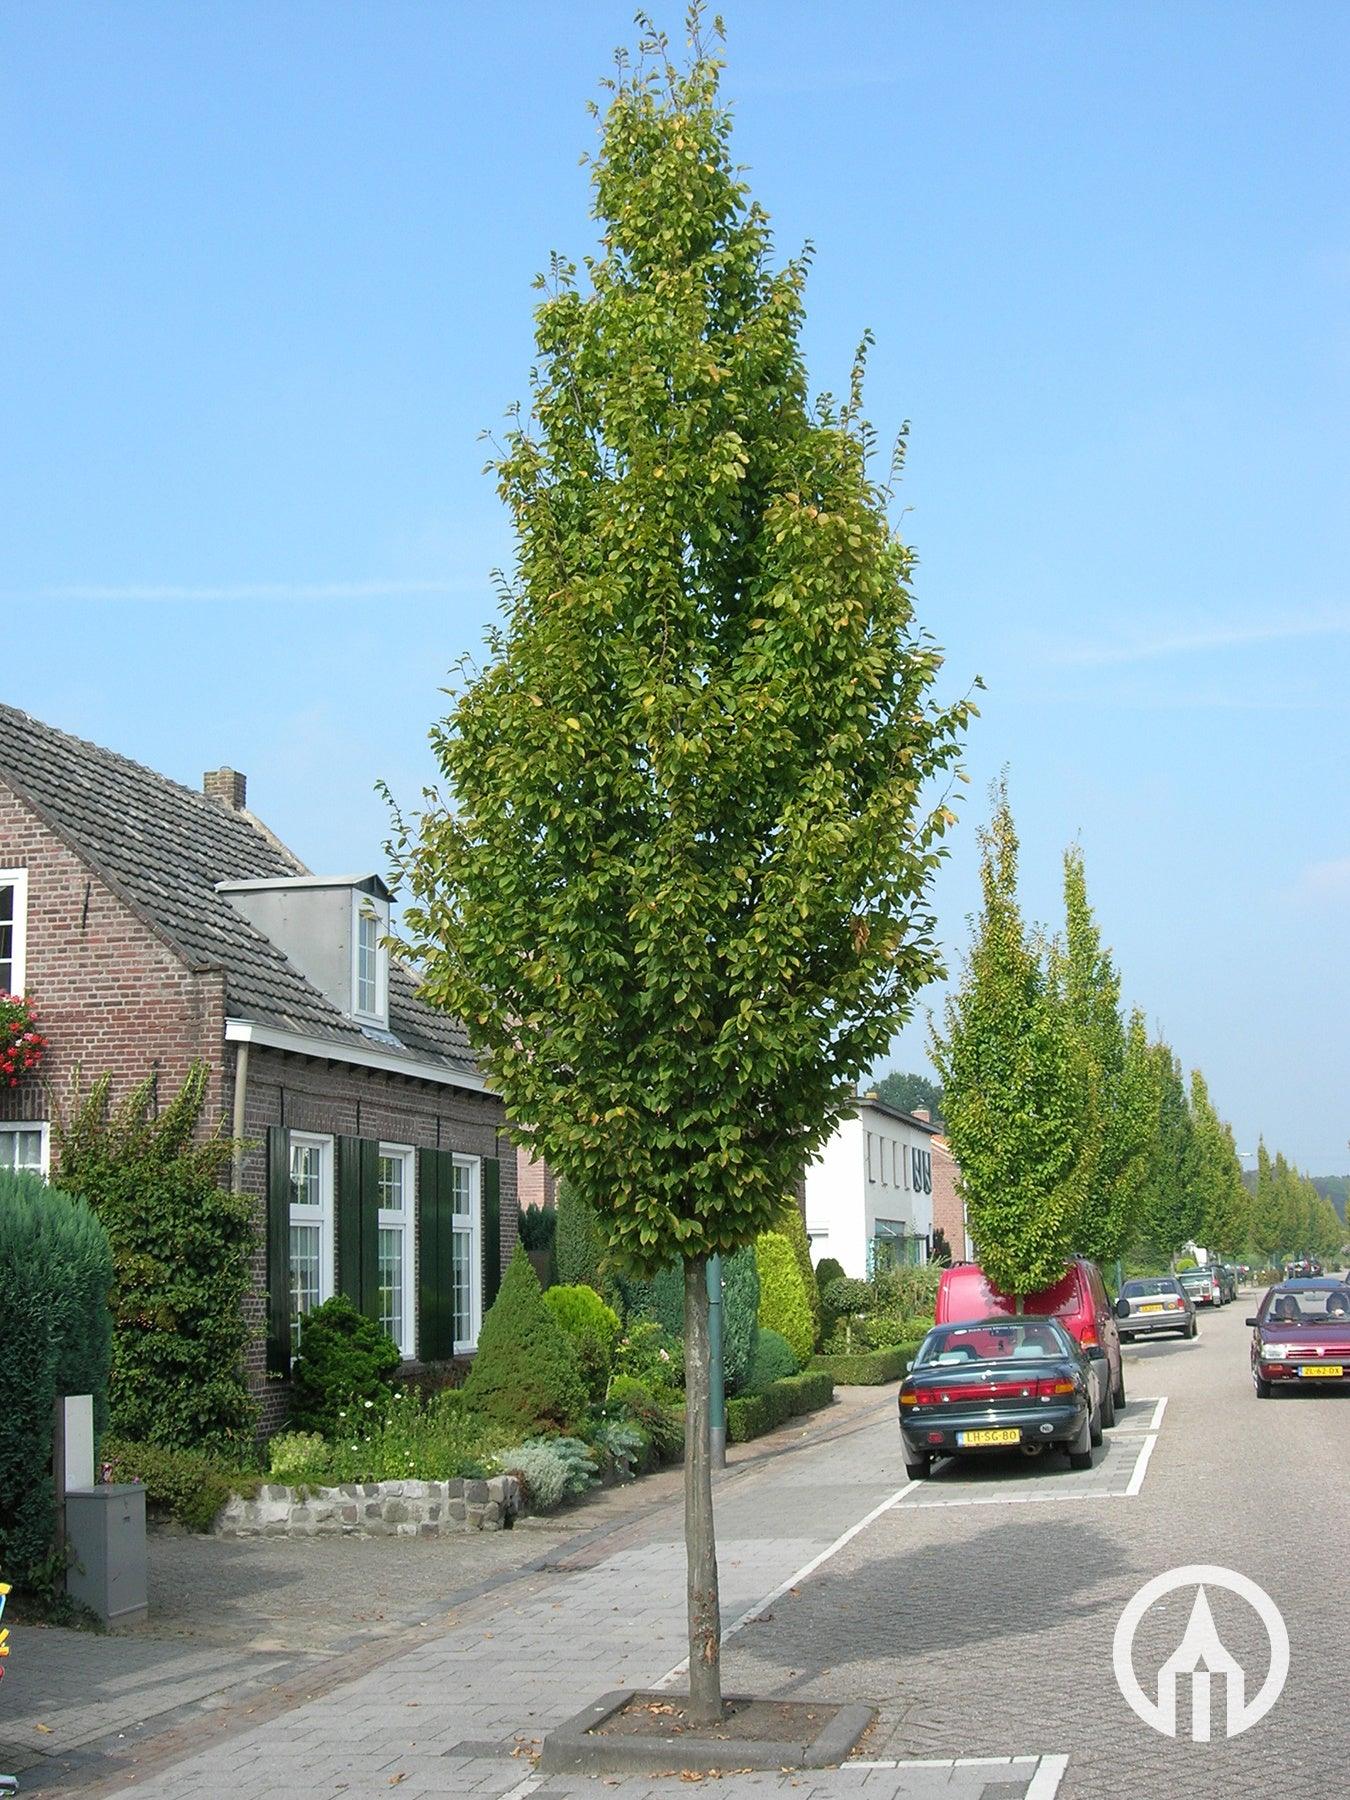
{"x":291,"y":1453}
{"x":56,"y":1269}
{"x":650,"y":1354}
{"x":828,"y":1269}
{"x":538,"y":1227}
{"x":622,"y":1446}
{"x":783,"y":1303}
{"x":846,"y":1296}
{"x":550,"y":1470}
{"x":525,"y":1375}
{"x":182,"y":1249}
{"x":793,"y":1227}
{"x":179,"y":1484}
{"x":753,"y":1414}
{"x":882,"y":1331}
{"x":662,"y":1299}
{"x":663,"y":1424}
{"x":593,"y":1330}
{"x":774,"y":1359}
{"x":579,"y":1245}
{"x":909,"y":1290}
{"x":346,"y":1361}
{"x":869,"y":1368}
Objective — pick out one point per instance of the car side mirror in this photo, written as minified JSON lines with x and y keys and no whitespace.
{"x":1122,"y":1309}
{"x":1252,"y":1321}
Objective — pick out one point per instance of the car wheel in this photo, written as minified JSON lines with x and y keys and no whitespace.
{"x":1095,"y":1425}
{"x":919,"y":1471}
{"x":1080,"y":1449}
{"x":1109,"y":1407}
{"x":1261,"y":1385}
{"x":1119,"y":1395}
{"x":1193,"y":1329}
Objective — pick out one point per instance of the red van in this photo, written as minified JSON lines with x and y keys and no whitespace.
{"x":1079,"y":1299}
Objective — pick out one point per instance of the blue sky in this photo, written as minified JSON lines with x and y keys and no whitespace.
{"x":267,"y":275}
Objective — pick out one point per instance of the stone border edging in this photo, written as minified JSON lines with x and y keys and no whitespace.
{"x":373,"y":1509}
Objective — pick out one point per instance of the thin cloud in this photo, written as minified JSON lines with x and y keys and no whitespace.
{"x":269,"y":590}
{"x":1326,"y":880}
{"x":1214,"y":637}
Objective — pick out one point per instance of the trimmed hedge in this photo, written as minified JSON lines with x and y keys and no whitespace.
{"x":869,"y":1368}
{"x":752,"y":1415}
{"x":345,"y":1360}
{"x":784,"y":1305}
{"x":179,"y":1484}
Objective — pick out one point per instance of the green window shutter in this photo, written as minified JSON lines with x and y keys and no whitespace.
{"x":278,"y":1250}
{"x":358,"y":1223}
{"x":492,"y":1229}
{"x":435,"y":1297}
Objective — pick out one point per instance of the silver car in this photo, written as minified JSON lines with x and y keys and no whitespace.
{"x":1150,"y":1304}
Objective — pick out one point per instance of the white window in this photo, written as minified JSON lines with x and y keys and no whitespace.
{"x":13,"y":929}
{"x":883,"y":1145}
{"x":24,"y":1147}
{"x":869,"y":1155}
{"x":370,"y":960}
{"x":467,"y":1261}
{"x":311,"y":1227}
{"x":396,"y":1244}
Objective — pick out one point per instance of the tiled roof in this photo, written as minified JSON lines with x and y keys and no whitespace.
{"x":163,"y":847}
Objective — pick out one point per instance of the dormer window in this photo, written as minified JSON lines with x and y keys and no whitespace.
{"x":370,"y":960}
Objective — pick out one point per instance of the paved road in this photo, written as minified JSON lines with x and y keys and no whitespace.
{"x":975,"y":1610}
{"x":979,"y":1612}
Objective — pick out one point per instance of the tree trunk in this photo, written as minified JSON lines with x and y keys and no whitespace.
{"x":705,"y":1619}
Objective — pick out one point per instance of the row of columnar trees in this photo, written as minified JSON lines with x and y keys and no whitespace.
{"x":1075,"y":1130}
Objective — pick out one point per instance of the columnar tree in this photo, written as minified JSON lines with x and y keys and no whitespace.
{"x":1169,"y":1214}
{"x":1221,"y":1199}
{"x":1118,"y":1116}
{"x":678,"y":892}
{"x":1015,"y":1086}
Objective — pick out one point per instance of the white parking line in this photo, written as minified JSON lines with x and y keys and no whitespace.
{"x":1045,"y":1782}
{"x":1047,"y":1771}
{"x":799,"y":1576}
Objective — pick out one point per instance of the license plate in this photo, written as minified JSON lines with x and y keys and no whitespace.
{"x":1011,"y":1436}
{"x":1150,"y":1309}
{"x":1321,"y":1369}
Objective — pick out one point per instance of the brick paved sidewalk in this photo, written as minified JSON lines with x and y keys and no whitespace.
{"x":457,"y":1713}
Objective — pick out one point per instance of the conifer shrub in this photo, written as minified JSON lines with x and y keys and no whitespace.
{"x":783,"y":1304}
{"x":663,"y":1300}
{"x":774,"y":1360}
{"x":578,"y":1246}
{"x":828,"y":1269}
{"x":793,"y":1227}
{"x":346,"y":1361}
{"x":593,"y":1329}
{"x":55,"y":1272}
{"x":525,"y":1375}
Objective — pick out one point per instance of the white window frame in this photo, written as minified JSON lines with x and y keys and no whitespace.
{"x":470,"y":1224}
{"x":367,"y":906}
{"x":18,"y":880}
{"x":402,"y":1222}
{"x":321,"y":1215}
{"x":12,"y":1127}
{"x":868,"y":1157}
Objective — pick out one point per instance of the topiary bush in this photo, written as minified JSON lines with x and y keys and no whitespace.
{"x":346,"y":1361}
{"x":56,"y":1268}
{"x":793,"y":1227}
{"x":775,"y":1359}
{"x":593,"y":1329}
{"x":783,"y":1303}
{"x":753,"y":1414}
{"x":868,"y":1368}
{"x":182,"y":1249}
{"x":525,"y":1375}
{"x":828,"y":1269}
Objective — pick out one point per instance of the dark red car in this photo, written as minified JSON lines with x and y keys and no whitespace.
{"x":1079,"y":1301}
{"x":1301,"y":1337}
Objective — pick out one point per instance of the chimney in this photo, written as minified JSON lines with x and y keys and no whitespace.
{"x":226,"y":785}
{"x":922,"y":1112}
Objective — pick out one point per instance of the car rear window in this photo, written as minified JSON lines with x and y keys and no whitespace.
{"x":1163,"y":1285}
{"x":947,"y":1346}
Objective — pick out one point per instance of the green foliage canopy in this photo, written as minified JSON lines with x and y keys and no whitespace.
{"x":679,"y":897}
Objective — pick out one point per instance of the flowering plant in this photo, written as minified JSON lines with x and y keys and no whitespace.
{"x":21,"y":1043}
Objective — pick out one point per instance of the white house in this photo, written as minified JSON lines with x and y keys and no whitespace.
{"x":869,"y":1194}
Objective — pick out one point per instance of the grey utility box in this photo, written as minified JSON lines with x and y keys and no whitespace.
{"x":105,"y":1527}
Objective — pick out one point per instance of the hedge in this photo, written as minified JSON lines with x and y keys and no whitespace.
{"x":869,"y":1368}
{"x":56,"y":1268}
{"x":752,"y":1415}
{"x":179,"y":1484}
{"x":784,"y":1305}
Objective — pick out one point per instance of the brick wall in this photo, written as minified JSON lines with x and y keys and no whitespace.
{"x":110,"y":994}
{"x":949,"y":1209}
{"x":535,"y":1181}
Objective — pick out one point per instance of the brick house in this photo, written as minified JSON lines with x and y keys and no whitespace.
{"x":151,"y":926}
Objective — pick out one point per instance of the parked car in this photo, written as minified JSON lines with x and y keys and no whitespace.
{"x":998,"y":1383}
{"x":1079,"y":1301}
{"x":1228,"y":1281}
{"x":1301,"y":1336}
{"x":1201,"y":1286}
{"x":1151,"y":1304}
{"x":1303,"y":1267}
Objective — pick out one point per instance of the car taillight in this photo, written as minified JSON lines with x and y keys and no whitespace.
{"x":1172,"y":1305}
{"x":1089,"y":1339}
{"x":1051,"y":1390}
